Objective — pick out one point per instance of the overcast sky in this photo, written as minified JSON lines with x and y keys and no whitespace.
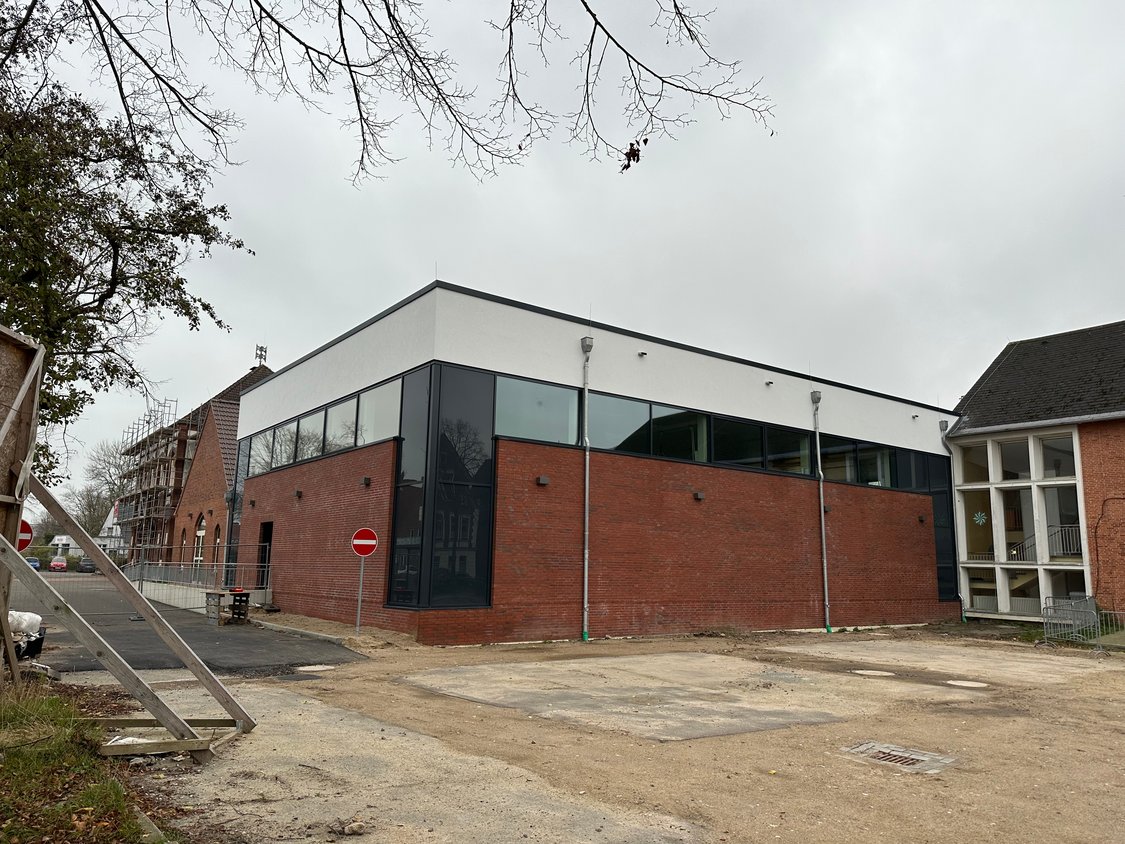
{"x":945,"y":177}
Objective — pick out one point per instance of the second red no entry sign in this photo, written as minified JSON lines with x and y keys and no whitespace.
{"x":365,"y":541}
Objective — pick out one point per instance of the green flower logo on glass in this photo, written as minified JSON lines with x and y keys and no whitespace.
{"x":980,"y":519}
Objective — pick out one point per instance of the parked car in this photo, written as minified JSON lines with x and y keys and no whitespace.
{"x":33,"y":562}
{"x":86,"y":566}
{"x":57,"y":564}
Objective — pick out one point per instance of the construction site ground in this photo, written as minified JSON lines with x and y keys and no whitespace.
{"x":698,"y":739}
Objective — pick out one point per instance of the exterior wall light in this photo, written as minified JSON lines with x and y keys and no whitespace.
{"x":642,"y":354}
{"x":252,"y":502}
{"x":698,"y":496}
{"x":366,"y":481}
{"x":298,"y":494}
{"x":913,"y":415}
{"x":769,"y":383}
{"x":542,"y":480}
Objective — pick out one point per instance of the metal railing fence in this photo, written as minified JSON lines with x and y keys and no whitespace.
{"x":1080,"y":621}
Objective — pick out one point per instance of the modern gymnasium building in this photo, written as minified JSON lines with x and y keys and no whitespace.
{"x":532,"y":475}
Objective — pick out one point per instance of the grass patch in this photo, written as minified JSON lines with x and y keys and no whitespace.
{"x":53,"y":785}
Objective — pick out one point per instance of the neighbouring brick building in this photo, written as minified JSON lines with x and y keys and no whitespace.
{"x":533,"y":475}
{"x":181,"y":473}
{"x":1039,"y":466}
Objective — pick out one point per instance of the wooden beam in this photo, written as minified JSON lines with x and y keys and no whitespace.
{"x":32,"y":378}
{"x":146,"y":748}
{"x":113,"y":721}
{"x":143,"y":608}
{"x":90,"y":639}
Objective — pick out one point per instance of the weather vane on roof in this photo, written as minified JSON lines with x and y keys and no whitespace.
{"x":260,"y":354}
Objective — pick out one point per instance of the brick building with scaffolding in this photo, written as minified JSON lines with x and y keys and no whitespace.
{"x":162,"y":448}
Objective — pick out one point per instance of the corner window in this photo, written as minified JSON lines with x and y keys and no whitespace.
{"x":378,"y":413}
{"x":533,"y":411}
{"x":340,"y":430}
{"x":310,"y":435}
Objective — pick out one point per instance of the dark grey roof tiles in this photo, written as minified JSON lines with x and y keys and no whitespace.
{"x":1061,"y":376}
{"x":226,"y":426}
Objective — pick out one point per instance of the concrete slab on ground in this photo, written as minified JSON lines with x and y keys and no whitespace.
{"x":308,"y":764}
{"x":668,"y":697}
{"x":981,"y":664}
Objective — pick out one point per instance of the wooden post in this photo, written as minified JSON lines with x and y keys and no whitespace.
{"x":142,"y":606}
{"x":21,"y":364}
{"x":89,"y":638}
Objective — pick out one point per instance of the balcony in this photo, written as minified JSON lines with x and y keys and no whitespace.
{"x":1064,"y":543}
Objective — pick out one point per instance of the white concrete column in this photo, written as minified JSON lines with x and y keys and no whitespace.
{"x":1003,"y":591}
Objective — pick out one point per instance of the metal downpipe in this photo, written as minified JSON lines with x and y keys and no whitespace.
{"x":587,"y":347}
{"x":815,"y":395}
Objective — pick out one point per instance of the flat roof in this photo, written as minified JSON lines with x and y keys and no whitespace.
{"x":438,"y":284}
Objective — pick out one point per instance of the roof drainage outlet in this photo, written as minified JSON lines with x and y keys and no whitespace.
{"x":905,"y":759}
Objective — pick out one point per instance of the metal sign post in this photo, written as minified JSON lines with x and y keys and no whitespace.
{"x":364,"y":543}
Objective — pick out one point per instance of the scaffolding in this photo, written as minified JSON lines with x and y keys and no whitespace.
{"x":159,"y":447}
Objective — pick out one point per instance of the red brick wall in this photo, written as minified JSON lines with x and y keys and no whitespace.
{"x":313,"y":570}
{"x":747,"y":557}
{"x":204,"y":492}
{"x":1102,"y":447}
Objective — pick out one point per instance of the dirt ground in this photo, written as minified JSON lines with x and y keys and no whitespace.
{"x":1037,"y":749}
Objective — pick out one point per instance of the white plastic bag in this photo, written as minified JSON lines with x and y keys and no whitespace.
{"x":24,"y":622}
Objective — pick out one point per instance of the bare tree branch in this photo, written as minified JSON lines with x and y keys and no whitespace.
{"x":371,"y":50}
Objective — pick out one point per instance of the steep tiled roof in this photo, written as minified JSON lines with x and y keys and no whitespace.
{"x":248,"y":380}
{"x":1059,"y":377}
{"x":226,"y":426}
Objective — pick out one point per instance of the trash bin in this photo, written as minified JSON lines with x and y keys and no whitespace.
{"x":214,"y":607}
{"x":239,"y":607}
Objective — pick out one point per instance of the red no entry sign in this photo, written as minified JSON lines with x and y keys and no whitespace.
{"x":24,"y":538}
{"x":365,"y":541}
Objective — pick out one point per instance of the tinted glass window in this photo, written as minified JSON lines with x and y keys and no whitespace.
{"x":406,"y":551}
{"x":876,"y":465}
{"x":378,"y":413}
{"x":261,"y":446}
{"x":619,"y":424}
{"x":415,"y":424}
{"x":243,"y":466}
{"x":340,"y":431}
{"x":911,"y":472}
{"x":789,"y":451}
{"x":462,"y":555}
{"x":285,"y":443}
{"x":536,"y":411}
{"x":837,"y":458}
{"x":679,"y":433}
{"x":465,"y":432}
{"x":737,"y":442}
{"x":310,"y":435}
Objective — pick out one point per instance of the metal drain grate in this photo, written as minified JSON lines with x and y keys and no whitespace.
{"x":907,"y":759}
